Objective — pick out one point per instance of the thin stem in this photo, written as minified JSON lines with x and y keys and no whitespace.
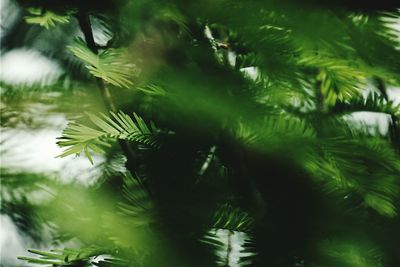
{"x":86,"y":28}
{"x":228,"y":249}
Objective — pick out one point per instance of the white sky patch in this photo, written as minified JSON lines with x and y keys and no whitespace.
{"x":12,"y":244}
{"x":251,"y":72}
{"x":24,"y":66}
{"x":38,"y":151}
{"x":101,"y":34}
{"x":394,"y":95}
{"x":232,"y":250}
{"x":34,"y":150}
{"x":232,"y":58}
{"x":375,"y":122}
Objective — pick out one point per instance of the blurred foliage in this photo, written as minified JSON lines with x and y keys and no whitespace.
{"x":108,"y":65}
{"x":44,"y":18}
{"x":239,"y":150}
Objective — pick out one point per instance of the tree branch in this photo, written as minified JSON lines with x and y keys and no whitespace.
{"x":86,"y":28}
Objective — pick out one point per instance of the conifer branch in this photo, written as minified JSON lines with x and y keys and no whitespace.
{"x":86,"y":28}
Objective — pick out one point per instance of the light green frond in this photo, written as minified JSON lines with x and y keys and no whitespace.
{"x":65,"y":257}
{"x":346,"y":253}
{"x":45,"y":18}
{"x":171,"y":13}
{"x":110,"y":65}
{"x":373,"y":102}
{"x":338,"y":80}
{"x":152,"y":89}
{"x":233,"y":219}
{"x":78,"y":138}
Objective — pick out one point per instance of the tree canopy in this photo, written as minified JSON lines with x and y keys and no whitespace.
{"x":224,"y":132}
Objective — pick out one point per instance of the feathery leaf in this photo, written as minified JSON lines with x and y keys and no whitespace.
{"x":80,"y":138}
{"x":109,"y":65}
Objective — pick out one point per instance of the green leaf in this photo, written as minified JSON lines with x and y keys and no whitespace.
{"x":65,"y":257}
{"x":368,"y":168}
{"x":138,"y":206}
{"x":372,"y":102}
{"x":78,"y":138}
{"x":273,"y":129}
{"x":233,"y":219}
{"x":338,"y":80}
{"x":46,"y":18}
{"x":111,"y":65}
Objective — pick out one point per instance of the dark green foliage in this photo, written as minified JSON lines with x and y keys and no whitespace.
{"x":252,"y":159}
{"x":66,"y":257}
{"x":373,"y":102}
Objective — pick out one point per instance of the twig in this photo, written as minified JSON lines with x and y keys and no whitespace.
{"x":86,"y":28}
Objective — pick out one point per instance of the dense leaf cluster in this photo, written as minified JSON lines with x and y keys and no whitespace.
{"x":232,"y":118}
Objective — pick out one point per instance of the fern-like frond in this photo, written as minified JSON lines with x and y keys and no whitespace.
{"x":107,"y":262}
{"x":272,"y":129}
{"x":338,"y":80}
{"x":134,"y":216}
{"x":45,"y":18}
{"x":80,"y":138}
{"x":152,"y":89}
{"x":231,"y":248}
{"x":387,"y":21}
{"x":109,"y":65}
{"x":65,"y":257}
{"x":367,"y":168}
{"x":373,"y":102}
{"x":233,"y":219}
{"x":138,"y":205}
{"x":229,"y":236}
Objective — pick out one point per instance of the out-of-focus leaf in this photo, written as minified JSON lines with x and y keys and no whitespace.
{"x":46,"y":18}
